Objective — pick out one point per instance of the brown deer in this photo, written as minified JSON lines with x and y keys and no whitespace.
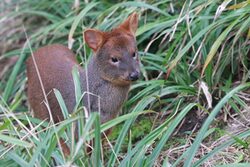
{"x":109,"y":73}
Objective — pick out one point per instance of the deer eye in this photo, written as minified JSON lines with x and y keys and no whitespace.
{"x":114,"y":60}
{"x":134,"y":55}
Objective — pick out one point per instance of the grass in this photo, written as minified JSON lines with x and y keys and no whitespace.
{"x":194,"y":59}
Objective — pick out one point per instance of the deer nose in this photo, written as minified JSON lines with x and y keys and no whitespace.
{"x":134,"y":76}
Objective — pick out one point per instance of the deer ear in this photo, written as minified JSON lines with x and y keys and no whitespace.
{"x":131,"y":23}
{"x":93,"y":38}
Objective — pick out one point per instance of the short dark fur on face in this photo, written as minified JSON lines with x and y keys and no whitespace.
{"x":116,"y":51}
{"x":120,"y":47}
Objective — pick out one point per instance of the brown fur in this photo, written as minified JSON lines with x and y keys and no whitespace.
{"x":106,"y":79}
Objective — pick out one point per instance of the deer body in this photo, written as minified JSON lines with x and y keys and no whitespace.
{"x":107,"y":92}
{"x":109,"y":73}
{"x":111,"y":97}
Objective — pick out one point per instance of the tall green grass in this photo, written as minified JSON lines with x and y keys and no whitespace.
{"x":181,"y":44}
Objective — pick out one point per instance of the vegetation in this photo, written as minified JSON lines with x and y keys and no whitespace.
{"x":191,"y":101}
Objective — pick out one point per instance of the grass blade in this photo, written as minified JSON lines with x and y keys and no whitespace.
{"x":14,"y":141}
{"x":191,"y":152}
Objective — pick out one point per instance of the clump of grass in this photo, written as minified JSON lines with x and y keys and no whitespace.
{"x":194,"y":58}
